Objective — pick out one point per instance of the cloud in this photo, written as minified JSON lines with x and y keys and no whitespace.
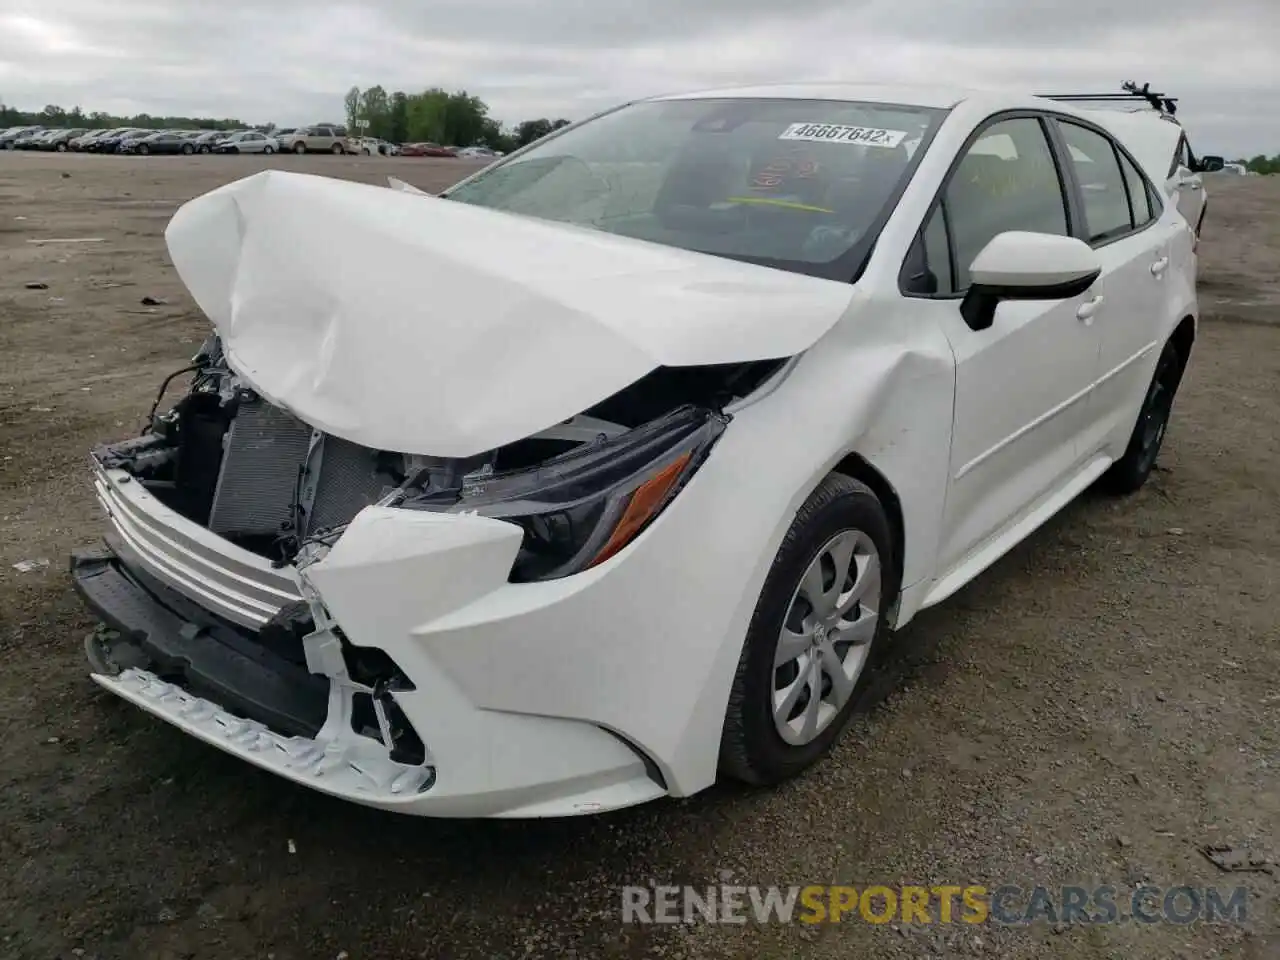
{"x":291,"y":61}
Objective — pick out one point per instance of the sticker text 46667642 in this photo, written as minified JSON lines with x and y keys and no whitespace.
{"x":843,"y":133}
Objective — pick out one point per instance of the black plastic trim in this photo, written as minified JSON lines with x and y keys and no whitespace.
{"x":202,"y":654}
{"x":980,"y":301}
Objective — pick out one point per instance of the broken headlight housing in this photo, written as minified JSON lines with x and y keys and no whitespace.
{"x":582,"y":507}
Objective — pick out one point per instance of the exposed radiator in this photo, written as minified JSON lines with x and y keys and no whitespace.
{"x":259,"y":479}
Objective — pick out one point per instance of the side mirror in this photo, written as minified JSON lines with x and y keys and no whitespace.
{"x":1210,"y":164}
{"x":1026,"y":266}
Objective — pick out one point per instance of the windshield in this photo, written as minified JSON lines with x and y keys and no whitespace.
{"x":799,"y":184}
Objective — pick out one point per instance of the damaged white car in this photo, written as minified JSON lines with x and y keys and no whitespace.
{"x":613,"y":468}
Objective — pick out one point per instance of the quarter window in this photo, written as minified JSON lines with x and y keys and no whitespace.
{"x":1139,"y":195}
{"x":1102,"y":184}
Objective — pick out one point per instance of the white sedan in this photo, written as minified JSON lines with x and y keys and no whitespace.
{"x":614,"y":469}
{"x":247,"y":141}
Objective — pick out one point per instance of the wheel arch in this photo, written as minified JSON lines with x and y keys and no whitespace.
{"x":1183,"y":338}
{"x":857,"y":467}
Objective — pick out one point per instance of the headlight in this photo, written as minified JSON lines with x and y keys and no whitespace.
{"x":580,"y":508}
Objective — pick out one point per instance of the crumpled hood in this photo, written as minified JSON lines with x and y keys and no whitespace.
{"x":421,"y":325}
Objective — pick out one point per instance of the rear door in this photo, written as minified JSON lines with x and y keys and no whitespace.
{"x":1120,"y":217}
{"x":1022,"y":385}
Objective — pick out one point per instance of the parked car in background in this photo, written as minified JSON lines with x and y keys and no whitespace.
{"x":60,"y":142}
{"x":316,"y":139}
{"x":373,"y":145}
{"x":480,"y":153}
{"x":131,"y":139}
{"x":114,"y":141}
{"x":82,"y":142}
{"x":1149,"y":125}
{"x":10,"y":137}
{"x":32,"y":141}
{"x":427,"y":149}
{"x":247,"y":141}
{"x":168,"y":141}
{"x":210,"y":139}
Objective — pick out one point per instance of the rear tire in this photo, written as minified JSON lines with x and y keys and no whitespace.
{"x":824,"y":608}
{"x":188,"y":149}
{"x":1130,"y":472}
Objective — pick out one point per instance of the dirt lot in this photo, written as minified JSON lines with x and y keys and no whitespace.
{"x":1090,"y":711}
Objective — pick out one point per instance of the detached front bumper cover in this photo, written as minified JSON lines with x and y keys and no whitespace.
{"x":152,"y":634}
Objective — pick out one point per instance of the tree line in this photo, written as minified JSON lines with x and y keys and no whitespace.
{"x":1262,"y":164}
{"x":55,"y":116}
{"x":456,"y":119}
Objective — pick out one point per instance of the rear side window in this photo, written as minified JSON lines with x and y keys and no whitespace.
{"x":1102,"y":184}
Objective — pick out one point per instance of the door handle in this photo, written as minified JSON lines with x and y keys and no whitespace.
{"x":1087,"y":310}
{"x":1159,"y":266}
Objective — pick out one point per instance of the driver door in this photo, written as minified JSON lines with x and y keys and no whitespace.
{"x":1022,"y":385}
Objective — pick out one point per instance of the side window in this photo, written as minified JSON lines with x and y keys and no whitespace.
{"x":1097,"y":166}
{"x":1007,"y":180}
{"x":1139,"y":195}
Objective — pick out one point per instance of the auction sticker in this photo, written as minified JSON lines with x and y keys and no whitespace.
{"x":842,"y":133}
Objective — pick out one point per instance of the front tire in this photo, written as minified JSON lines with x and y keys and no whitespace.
{"x":268,"y":150}
{"x":188,"y":149}
{"x":144,"y":149}
{"x":205,"y":148}
{"x":299,"y":148}
{"x":61,"y":148}
{"x":1130,"y":472}
{"x":820,"y":617}
{"x":337,"y":149}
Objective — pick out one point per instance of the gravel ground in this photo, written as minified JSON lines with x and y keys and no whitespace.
{"x":1090,"y":711}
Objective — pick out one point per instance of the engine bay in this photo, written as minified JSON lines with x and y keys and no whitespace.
{"x":226,"y":458}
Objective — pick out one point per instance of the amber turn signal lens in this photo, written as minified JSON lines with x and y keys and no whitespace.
{"x":645,"y":502}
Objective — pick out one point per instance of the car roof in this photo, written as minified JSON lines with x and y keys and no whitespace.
{"x":923,"y":95}
{"x":936,"y":96}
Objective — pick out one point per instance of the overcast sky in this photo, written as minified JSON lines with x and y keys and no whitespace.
{"x":291,"y":61}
